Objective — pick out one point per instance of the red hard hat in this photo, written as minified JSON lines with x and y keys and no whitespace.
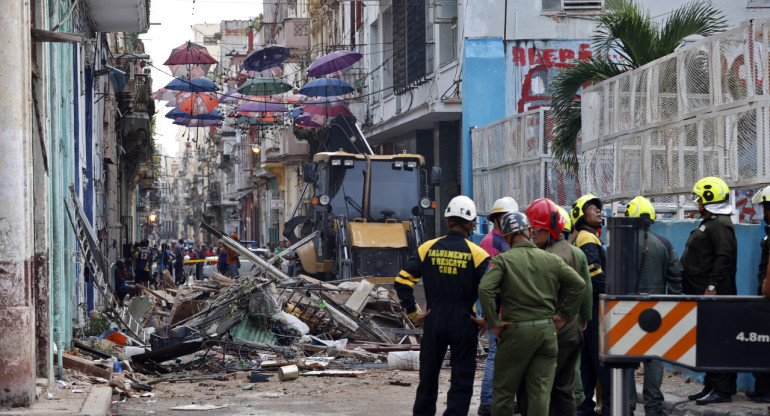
{"x":543,"y":215}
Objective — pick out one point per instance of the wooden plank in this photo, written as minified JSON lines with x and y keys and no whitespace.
{"x":186,"y":309}
{"x":85,"y":366}
{"x":41,"y":35}
{"x":313,"y":281}
{"x":360,"y":296}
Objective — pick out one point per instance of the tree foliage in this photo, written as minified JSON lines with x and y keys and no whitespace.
{"x":629,"y":32}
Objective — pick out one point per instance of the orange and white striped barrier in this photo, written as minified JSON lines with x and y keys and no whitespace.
{"x":704,"y":333}
{"x":650,"y":328}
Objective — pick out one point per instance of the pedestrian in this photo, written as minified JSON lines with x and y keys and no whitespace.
{"x":233,"y":259}
{"x":143,"y":260}
{"x":660,"y":273}
{"x":530,"y":282}
{"x":761,"y":392}
{"x":291,"y":257}
{"x":708,"y":268}
{"x":547,"y":233}
{"x":122,"y":288}
{"x":179,"y":253}
{"x":200,"y":255}
{"x":450,"y":268}
{"x":586,"y":215}
{"x":222,"y":261}
{"x":493,"y":243}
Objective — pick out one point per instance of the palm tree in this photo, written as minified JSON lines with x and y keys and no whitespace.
{"x":630,"y":33}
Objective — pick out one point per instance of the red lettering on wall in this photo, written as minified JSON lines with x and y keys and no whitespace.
{"x":584,"y":52}
{"x":519,"y":56}
{"x":566,"y":55}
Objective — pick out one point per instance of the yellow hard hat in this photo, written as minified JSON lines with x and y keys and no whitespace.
{"x":714,"y":195}
{"x":640,"y":207}
{"x":577,"y":208}
{"x":567,"y":221}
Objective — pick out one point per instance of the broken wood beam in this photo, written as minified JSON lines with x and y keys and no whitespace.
{"x":85,"y":366}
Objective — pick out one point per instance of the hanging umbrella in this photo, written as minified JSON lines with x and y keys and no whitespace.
{"x":163,"y":94}
{"x":275,"y":71}
{"x":191,"y":122}
{"x":294,"y":113}
{"x":266,"y":57}
{"x":335,"y":61}
{"x":264,"y":86}
{"x":195,"y":85}
{"x":189,"y":53}
{"x":261,"y":107}
{"x":198,"y":103}
{"x":307,"y":122}
{"x":177,"y":113}
{"x":232,"y":97}
{"x":189,"y":71}
{"x":324,"y":87}
{"x":296,"y":99}
{"x":252,"y":121}
{"x":329,"y":110}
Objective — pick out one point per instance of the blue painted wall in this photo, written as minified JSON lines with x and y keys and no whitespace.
{"x":483,"y":91}
{"x":748,"y":237}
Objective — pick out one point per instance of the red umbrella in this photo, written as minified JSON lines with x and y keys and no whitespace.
{"x":327,"y":106}
{"x":189,"y":71}
{"x":198,"y":103}
{"x":189,"y":53}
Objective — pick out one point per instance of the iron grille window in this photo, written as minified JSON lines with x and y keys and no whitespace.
{"x":409,"y":60}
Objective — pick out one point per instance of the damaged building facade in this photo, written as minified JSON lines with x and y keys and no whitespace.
{"x":76,"y":125}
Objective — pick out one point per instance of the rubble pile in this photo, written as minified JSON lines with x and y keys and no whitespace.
{"x":262,"y":326}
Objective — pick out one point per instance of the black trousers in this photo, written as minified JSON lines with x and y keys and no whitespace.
{"x":591,"y":370}
{"x":447,"y":326}
{"x":721,"y":382}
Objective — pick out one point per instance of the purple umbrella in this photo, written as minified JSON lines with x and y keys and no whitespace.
{"x":232,"y":97}
{"x":189,"y":53}
{"x":306,"y":121}
{"x":261,"y":107}
{"x":335,"y":61}
{"x":266,"y":57}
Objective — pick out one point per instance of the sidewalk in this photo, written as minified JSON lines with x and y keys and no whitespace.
{"x":93,"y":401}
{"x":740,"y":406}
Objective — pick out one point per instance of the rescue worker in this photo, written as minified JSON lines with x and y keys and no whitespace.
{"x":547,"y":226}
{"x":530,"y":281}
{"x":586,"y":215}
{"x":493,"y":243}
{"x":761,"y":392}
{"x":708,"y":268}
{"x":567,"y":233}
{"x":451,"y":268}
{"x":659,"y":270}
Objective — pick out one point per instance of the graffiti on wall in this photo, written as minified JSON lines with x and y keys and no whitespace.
{"x":533,"y":64}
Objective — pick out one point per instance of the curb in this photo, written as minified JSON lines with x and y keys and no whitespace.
{"x":740,"y":406}
{"x":98,"y":402}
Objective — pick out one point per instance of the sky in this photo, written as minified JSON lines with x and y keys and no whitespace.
{"x":171,"y":25}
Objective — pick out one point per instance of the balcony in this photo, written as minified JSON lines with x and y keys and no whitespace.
{"x":120,"y":15}
{"x":294,"y":34}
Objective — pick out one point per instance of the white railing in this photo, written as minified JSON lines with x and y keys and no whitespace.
{"x":701,"y":111}
{"x":512,"y":157}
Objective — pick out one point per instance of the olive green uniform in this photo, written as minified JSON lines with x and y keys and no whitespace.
{"x":530,"y":281}
{"x":569,"y":337}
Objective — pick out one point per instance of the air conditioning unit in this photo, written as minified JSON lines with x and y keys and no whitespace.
{"x":582,"y":5}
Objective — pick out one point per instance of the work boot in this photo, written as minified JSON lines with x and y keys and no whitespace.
{"x":701,"y":394}
{"x":485,"y":409}
{"x":765,"y":398}
{"x":715,"y":397}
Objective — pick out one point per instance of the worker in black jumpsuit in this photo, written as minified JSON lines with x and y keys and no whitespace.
{"x":451,"y":268}
{"x":708,"y":268}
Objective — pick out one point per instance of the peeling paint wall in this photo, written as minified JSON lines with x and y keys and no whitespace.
{"x":17,"y":313}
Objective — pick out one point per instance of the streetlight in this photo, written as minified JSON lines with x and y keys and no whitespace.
{"x":256,"y":149}
{"x":152,"y":217}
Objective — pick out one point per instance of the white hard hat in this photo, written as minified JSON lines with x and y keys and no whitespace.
{"x":504,"y":205}
{"x":461,"y":206}
{"x":762,"y":195}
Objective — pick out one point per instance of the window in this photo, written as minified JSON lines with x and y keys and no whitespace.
{"x":758,"y":3}
{"x":408,"y":44}
{"x":572,"y":6}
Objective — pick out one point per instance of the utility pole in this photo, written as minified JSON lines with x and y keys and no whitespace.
{"x":17,"y":314}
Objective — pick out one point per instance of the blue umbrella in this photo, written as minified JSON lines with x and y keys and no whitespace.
{"x":294,"y":113}
{"x":177,"y":113}
{"x":266,"y":57}
{"x":201,"y":84}
{"x":324,"y":87}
